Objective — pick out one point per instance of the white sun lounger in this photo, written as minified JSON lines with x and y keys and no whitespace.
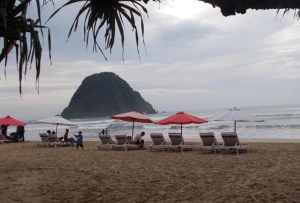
{"x":159,"y":142}
{"x":53,"y":140}
{"x":177,"y":142}
{"x":106,"y":141}
{"x":231,"y":142}
{"x":44,"y":140}
{"x":209,"y":142}
{"x":4,"y":139}
{"x":125,"y":143}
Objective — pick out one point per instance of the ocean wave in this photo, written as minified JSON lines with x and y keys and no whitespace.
{"x":219,"y":127}
{"x":278,"y":115}
{"x":273,"y":126}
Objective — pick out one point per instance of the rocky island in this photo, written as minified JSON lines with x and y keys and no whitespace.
{"x":105,"y":94}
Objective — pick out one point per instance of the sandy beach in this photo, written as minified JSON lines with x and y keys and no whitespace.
{"x":268,"y":173}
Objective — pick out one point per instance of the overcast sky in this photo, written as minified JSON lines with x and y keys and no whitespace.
{"x":196,"y":59}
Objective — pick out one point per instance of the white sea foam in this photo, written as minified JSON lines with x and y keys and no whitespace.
{"x":281,"y":122}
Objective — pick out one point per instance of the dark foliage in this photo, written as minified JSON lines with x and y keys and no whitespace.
{"x":232,"y":7}
{"x":21,"y":33}
{"x":109,"y":15}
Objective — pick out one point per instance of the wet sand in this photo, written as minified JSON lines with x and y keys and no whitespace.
{"x":268,"y":173}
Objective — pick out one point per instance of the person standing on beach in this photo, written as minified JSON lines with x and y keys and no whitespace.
{"x":79,"y":141}
{"x":4,"y":130}
{"x":21,"y":131}
{"x":139,"y":141}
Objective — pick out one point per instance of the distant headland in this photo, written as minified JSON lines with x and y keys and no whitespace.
{"x":105,"y":94}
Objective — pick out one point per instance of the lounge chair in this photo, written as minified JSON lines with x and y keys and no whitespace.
{"x":44,"y":140}
{"x":106,"y":141}
{"x":177,"y":142}
{"x":53,"y":140}
{"x":4,"y":139}
{"x":209,"y":142}
{"x":158,"y":142}
{"x":231,"y":142}
{"x":124,"y":142}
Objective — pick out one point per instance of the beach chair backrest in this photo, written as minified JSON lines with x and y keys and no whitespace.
{"x":176,"y":138}
{"x":208,"y":139}
{"x":230,"y":138}
{"x":157,"y":138}
{"x":53,"y":138}
{"x":2,"y":137}
{"x":121,"y":139}
{"x":44,"y":137}
{"x":105,"y":139}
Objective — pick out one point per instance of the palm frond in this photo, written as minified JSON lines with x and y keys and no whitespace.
{"x":108,"y":13}
{"x":17,"y":32}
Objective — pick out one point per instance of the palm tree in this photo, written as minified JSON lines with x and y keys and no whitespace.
{"x":109,"y":14}
{"x":21,"y":33}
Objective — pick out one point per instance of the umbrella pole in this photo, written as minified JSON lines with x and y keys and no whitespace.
{"x":181,"y":129}
{"x":235,"y":126}
{"x":132,"y":129}
{"x":56,"y":129}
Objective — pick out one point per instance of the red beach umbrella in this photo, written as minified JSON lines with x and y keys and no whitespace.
{"x":181,"y":118}
{"x":11,"y":121}
{"x":132,"y":116}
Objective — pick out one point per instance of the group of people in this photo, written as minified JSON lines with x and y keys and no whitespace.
{"x":20,"y":131}
{"x":18,"y":135}
{"x":65,"y":138}
{"x":137,"y":139}
{"x":104,"y":131}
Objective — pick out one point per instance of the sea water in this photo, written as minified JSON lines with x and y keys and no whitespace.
{"x":280,"y":122}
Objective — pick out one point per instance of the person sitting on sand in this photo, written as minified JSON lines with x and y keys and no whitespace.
{"x":49,"y":133}
{"x":67,"y":140}
{"x":139,"y":141}
{"x":79,"y":141}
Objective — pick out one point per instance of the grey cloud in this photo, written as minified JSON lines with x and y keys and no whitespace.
{"x":254,"y":58}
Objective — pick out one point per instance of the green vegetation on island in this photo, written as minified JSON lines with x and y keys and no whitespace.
{"x":105,"y":94}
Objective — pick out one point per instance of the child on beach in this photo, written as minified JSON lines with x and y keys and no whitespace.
{"x":79,"y":141}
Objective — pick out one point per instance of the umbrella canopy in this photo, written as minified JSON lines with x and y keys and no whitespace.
{"x":11,"y":121}
{"x":132,"y":116}
{"x":56,"y":120}
{"x":235,"y":115}
{"x":181,"y":118}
